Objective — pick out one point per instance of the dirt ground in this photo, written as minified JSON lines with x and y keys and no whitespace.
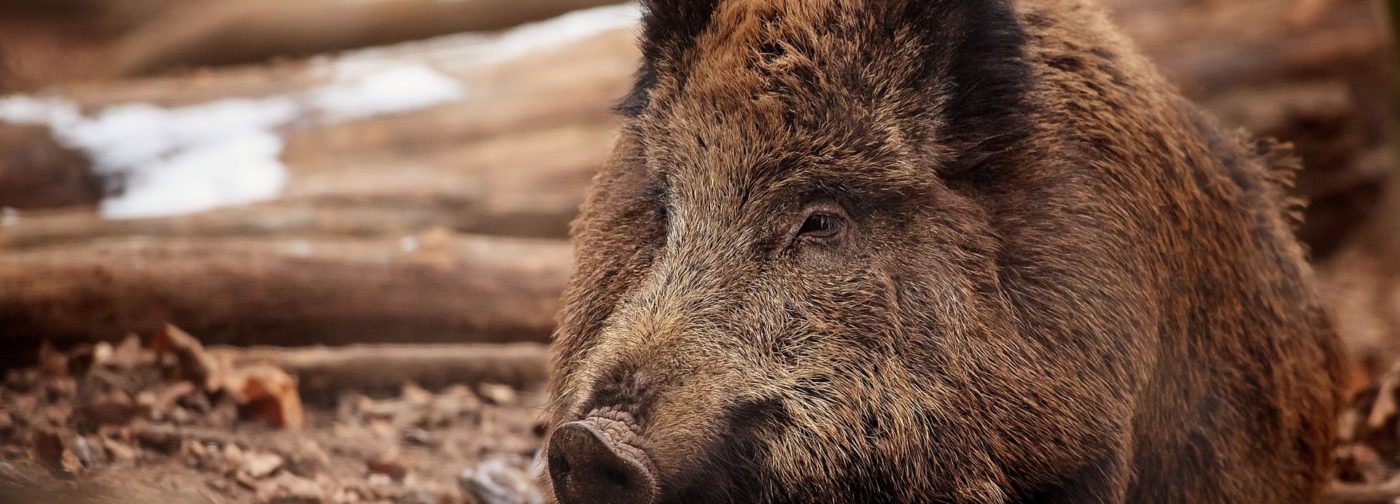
{"x":124,"y":423}
{"x":164,"y":420}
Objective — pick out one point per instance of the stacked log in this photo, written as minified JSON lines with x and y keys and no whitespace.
{"x":1315,"y":77}
{"x":512,"y":156}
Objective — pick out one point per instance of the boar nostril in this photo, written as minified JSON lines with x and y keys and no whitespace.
{"x":586,"y":466}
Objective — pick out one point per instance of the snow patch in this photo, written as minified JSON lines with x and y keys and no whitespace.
{"x":29,"y":110}
{"x":468,"y":49}
{"x":170,"y":161}
{"x":240,"y":169}
{"x":562,"y":30}
{"x":361,"y":91}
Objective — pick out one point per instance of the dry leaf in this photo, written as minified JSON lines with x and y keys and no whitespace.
{"x":194,"y":363}
{"x":267,"y":394}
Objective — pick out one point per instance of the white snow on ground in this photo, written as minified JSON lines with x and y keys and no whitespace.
{"x":362,"y":91}
{"x":27,"y":110}
{"x":467,"y":49}
{"x":562,"y":30}
{"x":172,"y":161}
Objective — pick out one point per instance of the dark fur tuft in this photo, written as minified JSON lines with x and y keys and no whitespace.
{"x":987,"y":114}
{"x":668,"y":27}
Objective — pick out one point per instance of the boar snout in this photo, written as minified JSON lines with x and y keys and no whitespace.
{"x":587,"y":465}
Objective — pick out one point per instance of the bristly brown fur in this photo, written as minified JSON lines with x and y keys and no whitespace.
{"x":1060,"y":281}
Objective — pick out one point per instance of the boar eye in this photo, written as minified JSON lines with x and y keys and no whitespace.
{"x":822,"y":222}
{"x":820,"y":226}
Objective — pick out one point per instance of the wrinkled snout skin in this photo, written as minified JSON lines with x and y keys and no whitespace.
{"x":927,"y":251}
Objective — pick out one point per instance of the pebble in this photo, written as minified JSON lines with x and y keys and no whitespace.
{"x":290,"y":489}
{"x":496,"y":394}
{"x":84,"y":452}
{"x":501,"y":479}
{"x":413,"y":436}
{"x":260,"y":465}
{"x":389,"y":466}
{"x":118,"y":450}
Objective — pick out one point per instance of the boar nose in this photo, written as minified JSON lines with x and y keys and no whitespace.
{"x":587,"y":466}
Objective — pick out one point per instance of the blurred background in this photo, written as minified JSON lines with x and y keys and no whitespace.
{"x":320,"y":175}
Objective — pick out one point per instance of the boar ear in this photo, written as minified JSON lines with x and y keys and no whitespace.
{"x":669,"y":22}
{"x":977,"y":48}
{"x":668,"y":28}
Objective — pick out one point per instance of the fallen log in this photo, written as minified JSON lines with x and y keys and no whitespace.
{"x":305,"y":219}
{"x":326,"y":372}
{"x":527,"y":187}
{"x":126,"y":13}
{"x":1207,"y":47}
{"x":428,"y":288}
{"x":249,"y":31}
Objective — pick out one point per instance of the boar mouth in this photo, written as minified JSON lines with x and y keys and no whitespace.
{"x":598,"y":459}
{"x":731,"y":468}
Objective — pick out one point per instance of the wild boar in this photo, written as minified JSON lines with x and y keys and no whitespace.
{"x":955,"y":251}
